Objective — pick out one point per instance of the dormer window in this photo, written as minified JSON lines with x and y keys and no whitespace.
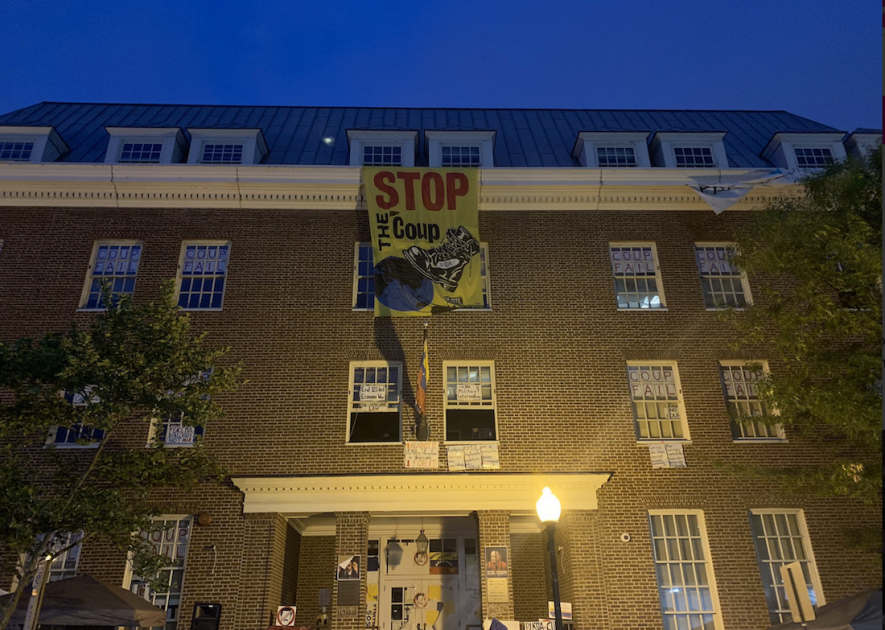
{"x":689,"y":149}
{"x":30,"y":144}
{"x":376,"y":147}
{"x":793,"y":151}
{"x":612,"y":149}
{"x":137,"y":145}
{"x":460,"y":149}
{"x":227,"y":146}
{"x":863,"y":142}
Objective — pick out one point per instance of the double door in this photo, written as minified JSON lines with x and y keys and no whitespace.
{"x":420,"y":604}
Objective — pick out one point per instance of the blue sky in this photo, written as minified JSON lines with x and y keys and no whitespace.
{"x":819,"y":59}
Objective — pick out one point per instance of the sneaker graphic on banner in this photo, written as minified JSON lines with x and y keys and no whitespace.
{"x":445,"y":264}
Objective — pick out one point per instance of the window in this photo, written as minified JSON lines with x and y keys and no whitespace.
{"x":694,"y":157}
{"x":656,"y":395}
{"x":77,"y":435}
{"x":64,"y":565}
{"x":173,"y":432}
{"x":618,"y":157}
{"x":222,"y":154}
{"x":781,"y":538}
{"x":723,"y":284}
{"x":470,"y":401}
{"x":739,"y":385}
{"x":382,"y":156}
{"x":686,"y":585}
{"x":114,"y":263}
{"x":813,"y":157}
{"x":202,"y":273}
{"x":637,"y":276}
{"x":16,"y":151}
{"x":168,"y":537}
{"x":374,"y":409}
{"x":460,"y":156}
{"x":137,"y":145}
{"x":364,"y":278}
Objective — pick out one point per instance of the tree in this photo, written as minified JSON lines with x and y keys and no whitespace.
{"x":816,"y":271}
{"x":132,"y":363}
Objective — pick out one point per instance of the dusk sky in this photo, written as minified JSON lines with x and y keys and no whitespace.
{"x":816,"y":58}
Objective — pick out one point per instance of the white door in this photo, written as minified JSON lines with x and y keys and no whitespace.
{"x":420,"y":605}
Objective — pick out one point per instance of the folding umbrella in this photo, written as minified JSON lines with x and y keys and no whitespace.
{"x":84,"y":601}
{"x":859,"y":612}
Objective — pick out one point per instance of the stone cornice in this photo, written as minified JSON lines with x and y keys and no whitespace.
{"x":340,"y":188}
{"x":442,"y":493}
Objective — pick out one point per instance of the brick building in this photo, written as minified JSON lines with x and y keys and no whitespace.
{"x":570,"y":335}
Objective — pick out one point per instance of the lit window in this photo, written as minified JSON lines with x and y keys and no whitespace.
{"x":374,"y":414}
{"x":686,"y":586}
{"x":364,"y":278}
{"x":456,"y":156}
{"x":64,"y":565}
{"x":813,"y":157}
{"x":222,"y":154}
{"x":694,"y":157}
{"x":656,"y":395}
{"x":77,"y":435}
{"x":202,"y":275}
{"x":167,"y":538}
{"x":141,"y":153}
{"x":470,"y":401}
{"x":637,"y":277}
{"x":114,"y":264}
{"x":382,"y":156}
{"x":619,"y":157}
{"x":781,"y":538}
{"x":739,"y":385}
{"x":16,"y":151}
{"x":724,"y":285}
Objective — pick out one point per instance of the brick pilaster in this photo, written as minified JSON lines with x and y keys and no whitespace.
{"x":351,"y":538}
{"x":494,"y":531}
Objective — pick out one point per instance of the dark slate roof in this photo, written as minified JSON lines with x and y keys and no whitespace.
{"x":294,"y":135}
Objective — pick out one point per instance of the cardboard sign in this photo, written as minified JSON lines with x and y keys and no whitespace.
{"x":421,"y":455}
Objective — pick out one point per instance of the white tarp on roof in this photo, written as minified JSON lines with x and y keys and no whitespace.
{"x":721,"y":191}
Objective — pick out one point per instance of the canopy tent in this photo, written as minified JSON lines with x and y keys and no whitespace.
{"x":84,"y":601}
{"x":859,"y":612}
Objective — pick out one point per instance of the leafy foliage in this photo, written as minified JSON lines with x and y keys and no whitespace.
{"x":815,"y":267}
{"x":133,"y":363}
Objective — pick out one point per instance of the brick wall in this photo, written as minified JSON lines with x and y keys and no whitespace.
{"x":560,"y":347}
{"x":316,"y":570}
{"x":529,"y":578}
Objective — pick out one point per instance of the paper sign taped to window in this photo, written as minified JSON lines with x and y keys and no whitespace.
{"x":178,"y":434}
{"x":490,"y":456}
{"x":469,"y":392}
{"x":658,"y":453}
{"x":673,"y":412}
{"x":675,"y":455}
{"x":456,"y":458}
{"x":421,"y":455}
{"x":373,"y":392}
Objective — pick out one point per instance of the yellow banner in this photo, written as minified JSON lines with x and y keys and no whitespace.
{"x":425,"y":239}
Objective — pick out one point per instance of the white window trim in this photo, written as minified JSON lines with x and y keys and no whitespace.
{"x":359,"y":138}
{"x":48,"y":145}
{"x":485,"y":140}
{"x":686,"y":438}
{"x":254,"y":145}
{"x":806,"y":540}
{"x":174,"y":145}
{"x":779,"y":429}
{"x":154,"y":429}
{"x":84,"y":294}
{"x":711,"y":574}
{"x":664,"y":142}
{"x":350,"y":383}
{"x":658,"y":277}
{"x":178,"y":276}
{"x":356,"y":268}
{"x":588,"y":141}
{"x":50,"y":437}
{"x":493,"y":407}
{"x":780,"y":150}
{"x":745,"y":282}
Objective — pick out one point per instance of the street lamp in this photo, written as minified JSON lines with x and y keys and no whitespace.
{"x":549,"y":509}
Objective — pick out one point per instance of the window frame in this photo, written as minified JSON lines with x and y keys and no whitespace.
{"x":708,"y":560}
{"x":780,"y":437}
{"x":172,"y":139}
{"x":745,"y":282}
{"x":48,"y":145}
{"x":350,"y":402}
{"x":680,"y":400}
{"x":87,"y":285}
{"x":437,"y":139}
{"x":53,"y":430}
{"x":359,"y":138}
{"x":486,"y":284}
{"x":664,"y":143}
{"x":446,"y":406}
{"x":179,"y":276}
{"x":806,"y":542}
{"x":252,"y":140}
{"x":781,"y":149}
{"x":658,"y":278}
{"x":588,"y":142}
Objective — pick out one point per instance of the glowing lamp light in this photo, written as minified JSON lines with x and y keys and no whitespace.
{"x":548,"y":507}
